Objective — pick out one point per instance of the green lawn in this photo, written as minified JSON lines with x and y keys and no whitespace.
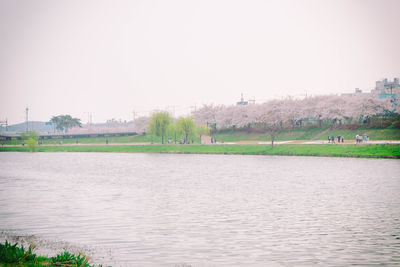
{"x":309,"y":134}
{"x":102,"y":140}
{"x":373,"y":134}
{"x":296,"y":134}
{"x":234,"y":136}
{"x":374,"y":151}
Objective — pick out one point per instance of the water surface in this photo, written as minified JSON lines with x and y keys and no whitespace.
{"x":205,"y":210}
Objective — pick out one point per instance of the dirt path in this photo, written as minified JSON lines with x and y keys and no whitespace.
{"x":321,"y":133}
{"x":292,"y":142}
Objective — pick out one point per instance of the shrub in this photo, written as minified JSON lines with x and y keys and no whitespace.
{"x":378,"y":124}
{"x":32,"y":144}
{"x":396,"y":124}
{"x":13,"y":254}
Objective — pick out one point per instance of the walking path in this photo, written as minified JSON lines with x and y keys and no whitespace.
{"x":321,"y":133}
{"x":313,"y":142}
{"x":292,"y":142}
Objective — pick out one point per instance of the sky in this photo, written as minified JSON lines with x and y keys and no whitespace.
{"x":120,"y":59}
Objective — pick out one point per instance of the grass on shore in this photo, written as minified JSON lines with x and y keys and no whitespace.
{"x":234,"y":136}
{"x":367,"y":151}
{"x":12,"y":255}
{"x":309,"y":134}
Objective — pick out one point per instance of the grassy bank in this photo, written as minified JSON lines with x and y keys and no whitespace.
{"x":309,"y":134}
{"x":236,"y":135}
{"x":367,"y":151}
{"x":13,"y":255}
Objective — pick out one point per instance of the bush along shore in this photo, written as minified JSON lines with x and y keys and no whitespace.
{"x":13,"y":255}
{"x":365,"y":151}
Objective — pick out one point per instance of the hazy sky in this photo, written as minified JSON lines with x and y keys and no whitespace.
{"x":113,"y":57}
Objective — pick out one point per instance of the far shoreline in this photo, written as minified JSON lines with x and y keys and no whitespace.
{"x":388,"y":151}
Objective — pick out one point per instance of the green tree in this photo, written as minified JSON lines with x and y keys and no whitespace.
{"x":65,"y":122}
{"x":172,"y":131}
{"x":186,"y":126}
{"x":202,"y":130}
{"x":14,"y":141}
{"x":159,"y":123}
{"x":30,"y":134}
{"x":31,"y":139}
{"x":24,"y":136}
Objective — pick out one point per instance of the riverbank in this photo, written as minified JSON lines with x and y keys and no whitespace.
{"x":240,"y":135}
{"x":323,"y":150}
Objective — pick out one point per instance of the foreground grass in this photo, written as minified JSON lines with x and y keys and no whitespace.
{"x":366,"y":151}
{"x":12,"y":255}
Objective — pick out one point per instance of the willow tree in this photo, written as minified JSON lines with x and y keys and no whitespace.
{"x":159,"y":123}
{"x":186,"y":126}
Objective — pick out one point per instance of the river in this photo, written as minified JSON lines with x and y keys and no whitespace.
{"x":204,"y":210}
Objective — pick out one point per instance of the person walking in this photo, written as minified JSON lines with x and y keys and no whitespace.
{"x":333,"y":139}
{"x":338,"y":138}
{"x":329,"y":139}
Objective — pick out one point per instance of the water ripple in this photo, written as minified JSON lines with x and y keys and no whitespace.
{"x":203,"y":210}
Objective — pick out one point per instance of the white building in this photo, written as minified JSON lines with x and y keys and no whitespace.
{"x":385,"y":87}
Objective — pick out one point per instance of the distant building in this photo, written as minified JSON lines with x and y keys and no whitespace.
{"x":357,"y":91}
{"x":242,"y":102}
{"x":385,"y":89}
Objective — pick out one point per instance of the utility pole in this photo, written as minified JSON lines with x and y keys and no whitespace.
{"x":26,"y":113}
{"x":134,"y":115}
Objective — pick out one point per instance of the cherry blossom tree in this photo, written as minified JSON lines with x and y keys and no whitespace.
{"x":272,"y":116}
{"x":276,"y":114}
{"x":140,"y":124}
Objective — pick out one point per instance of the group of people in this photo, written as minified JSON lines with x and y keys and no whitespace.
{"x":340,"y":139}
{"x":331,"y":139}
{"x":360,"y":138}
{"x":181,"y":141}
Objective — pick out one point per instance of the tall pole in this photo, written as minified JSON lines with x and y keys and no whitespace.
{"x":26,"y":111}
